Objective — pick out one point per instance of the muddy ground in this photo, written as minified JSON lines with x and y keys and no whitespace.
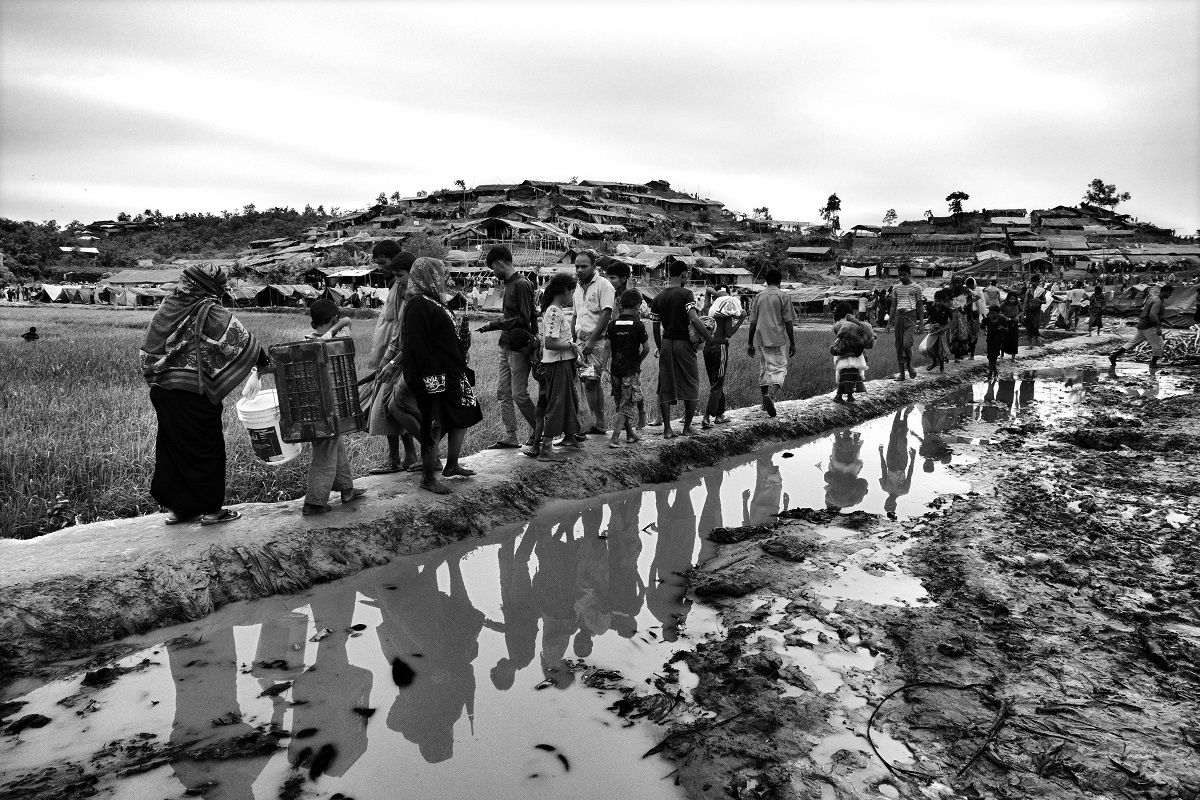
{"x":1055,"y":654}
{"x":1036,"y":636}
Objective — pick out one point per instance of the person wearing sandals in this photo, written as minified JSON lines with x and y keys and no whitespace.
{"x":435,"y":369}
{"x":194,"y":355}
{"x":559,"y":356}
{"x":854,"y":337}
{"x":630,"y":346}
{"x":674,"y":313}
{"x":330,"y":467}
{"x":385,"y":346}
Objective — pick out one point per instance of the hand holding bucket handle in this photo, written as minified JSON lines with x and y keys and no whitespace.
{"x":253,"y":384}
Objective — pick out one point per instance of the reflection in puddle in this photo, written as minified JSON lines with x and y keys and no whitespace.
{"x":446,"y":670}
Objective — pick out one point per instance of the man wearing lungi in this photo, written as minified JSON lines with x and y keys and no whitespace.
{"x":908,"y":316}
{"x":674,"y":312}
{"x":771,"y":321}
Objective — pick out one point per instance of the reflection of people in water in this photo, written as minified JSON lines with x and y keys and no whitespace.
{"x":443,"y":629}
{"x":1005,"y":393}
{"x":626,"y":589}
{"x":665,"y":585}
{"x":328,"y":693}
{"x":711,"y":515}
{"x":203,"y":692}
{"x":991,"y":410}
{"x":768,"y":491}
{"x":843,"y":487}
{"x":554,"y":588}
{"x":1025,"y":394}
{"x":896,"y":469}
{"x":592,"y":602}
{"x":519,"y":607}
{"x":935,"y":420}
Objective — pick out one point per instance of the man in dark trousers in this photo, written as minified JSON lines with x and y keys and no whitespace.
{"x":1149,"y":327}
{"x":512,"y":383}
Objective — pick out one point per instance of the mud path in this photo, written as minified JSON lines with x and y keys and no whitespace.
{"x":1038,"y":635}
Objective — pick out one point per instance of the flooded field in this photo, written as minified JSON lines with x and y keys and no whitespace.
{"x":497,"y":667}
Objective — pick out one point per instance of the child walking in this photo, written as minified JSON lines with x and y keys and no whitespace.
{"x":854,"y":338}
{"x":560,"y":355}
{"x":997,"y":328}
{"x":330,"y":468}
{"x":939,"y":321}
{"x":630,"y":346}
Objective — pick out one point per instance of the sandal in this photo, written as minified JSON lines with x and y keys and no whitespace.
{"x":386,"y":469}
{"x":172,"y":519}
{"x":225,"y":516}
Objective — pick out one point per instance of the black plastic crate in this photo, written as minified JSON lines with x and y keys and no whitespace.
{"x":318,"y":389}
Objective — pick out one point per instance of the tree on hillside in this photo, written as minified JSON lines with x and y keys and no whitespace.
{"x":422,"y":193}
{"x":889,"y":219}
{"x":381,"y":200}
{"x":396,"y":197}
{"x":321,"y":210}
{"x":1104,"y":195}
{"x":831,"y":212}
{"x":460,"y":183}
{"x":955,"y":199}
{"x":122,"y":217}
{"x":763,"y":213}
{"x":928,"y":214}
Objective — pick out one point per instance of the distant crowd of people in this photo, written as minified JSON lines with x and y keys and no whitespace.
{"x":579,"y":330}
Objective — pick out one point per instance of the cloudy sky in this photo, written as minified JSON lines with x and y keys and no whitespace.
{"x":203,"y":106}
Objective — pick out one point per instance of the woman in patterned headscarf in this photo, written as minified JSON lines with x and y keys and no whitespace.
{"x":435,"y":369}
{"x":194,"y":355}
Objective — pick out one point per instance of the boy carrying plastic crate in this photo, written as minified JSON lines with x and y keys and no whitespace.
{"x":330,"y":467}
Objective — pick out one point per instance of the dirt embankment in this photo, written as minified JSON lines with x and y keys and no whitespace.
{"x":1053,"y":648}
{"x":68,"y":591}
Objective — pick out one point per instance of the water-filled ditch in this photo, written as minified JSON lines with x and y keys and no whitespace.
{"x":458,"y":673}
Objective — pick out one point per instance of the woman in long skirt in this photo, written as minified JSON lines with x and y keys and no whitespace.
{"x":195,"y":353}
{"x":560,"y":355}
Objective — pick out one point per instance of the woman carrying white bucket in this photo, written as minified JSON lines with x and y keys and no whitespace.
{"x":195,"y":353}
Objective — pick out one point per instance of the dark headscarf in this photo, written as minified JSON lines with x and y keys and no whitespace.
{"x":193,"y":343}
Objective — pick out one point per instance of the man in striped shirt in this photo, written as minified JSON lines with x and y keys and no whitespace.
{"x":907,"y":318}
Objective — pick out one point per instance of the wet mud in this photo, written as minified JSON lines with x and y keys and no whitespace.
{"x":887,"y":609}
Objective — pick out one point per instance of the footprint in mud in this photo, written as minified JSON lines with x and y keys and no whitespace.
{"x":548,"y":763}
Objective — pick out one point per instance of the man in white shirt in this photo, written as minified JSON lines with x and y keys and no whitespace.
{"x":594,"y":303}
{"x":1077,"y":297}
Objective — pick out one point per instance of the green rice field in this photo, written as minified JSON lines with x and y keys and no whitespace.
{"x":77,"y":428}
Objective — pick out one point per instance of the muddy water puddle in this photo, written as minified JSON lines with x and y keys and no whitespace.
{"x":470,"y":671}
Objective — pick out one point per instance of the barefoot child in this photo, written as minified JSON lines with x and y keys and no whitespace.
{"x":330,"y":468}
{"x":630,"y":346}
{"x":997,"y":327}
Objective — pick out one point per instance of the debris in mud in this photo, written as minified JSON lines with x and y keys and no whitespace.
{"x":792,"y":546}
{"x":855,"y":520}
{"x":741,"y":534}
{"x":322,"y":761}
{"x":319,"y":635}
{"x":735,"y":581}
{"x":402,"y":674}
{"x":277,"y":689}
{"x":26,"y":722}
{"x":602,"y":679}
{"x":278,"y":663}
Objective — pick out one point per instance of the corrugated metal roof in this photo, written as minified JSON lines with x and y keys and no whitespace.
{"x":811,"y":251}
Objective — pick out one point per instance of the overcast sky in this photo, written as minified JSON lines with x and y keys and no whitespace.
{"x":203,"y":106}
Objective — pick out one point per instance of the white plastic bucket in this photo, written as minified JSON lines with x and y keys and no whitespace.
{"x":260,"y":416}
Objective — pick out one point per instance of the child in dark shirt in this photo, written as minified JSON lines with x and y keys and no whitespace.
{"x":630,"y":344}
{"x":996,"y":326}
